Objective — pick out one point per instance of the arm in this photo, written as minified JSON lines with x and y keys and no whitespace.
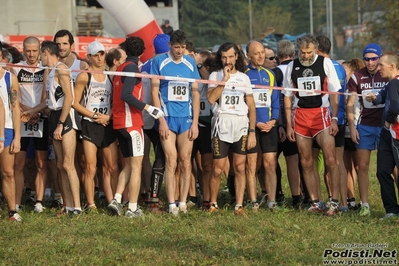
{"x":80,"y":84}
{"x":214,"y":93}
{"x":64,"y":79}
{"x":163,"y":126}
{"x":249,"y":98}
{"x":288,"y":109}
{"x":351,"y":117}
{"x":193,"y":133}
{"x":27,"y":115}
{"x":128,"y":87}
{"x":16,"y":115}
{"x":393,"y":111}
{"x":2,"y":125}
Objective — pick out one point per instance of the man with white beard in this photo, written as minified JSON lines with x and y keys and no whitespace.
{"x":313,"y":74}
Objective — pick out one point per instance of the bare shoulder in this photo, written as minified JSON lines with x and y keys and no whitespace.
{"x":83,"y":65}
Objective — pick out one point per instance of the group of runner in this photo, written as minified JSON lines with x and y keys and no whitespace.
{"x":213,"y":115}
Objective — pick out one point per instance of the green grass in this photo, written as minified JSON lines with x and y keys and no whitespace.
{"x":198,"y":238}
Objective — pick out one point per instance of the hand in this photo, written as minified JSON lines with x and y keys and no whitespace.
{"x":282,"y":134}
{"x":57,"y":135}
{"x":226,"y":73}
{"x":155,"y":112}
{"x":15,"y":146}
{"x":291,"y":134}
{"x":355,"y":135}
{"x":34,"y":119}
{"x":251,"y":141}
{"x":102,"y":119}
{"x":193,"y":132}
{"x":370,"y":97}
{"x":163,"y":130}
{"x":26,"y":116}
{"x":333,"y":127}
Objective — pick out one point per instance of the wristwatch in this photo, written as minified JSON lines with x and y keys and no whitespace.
{"x":60,"y":122}
{"x":334,"y":118}
{"x":251,"y":130}
{"x":199,"y":66}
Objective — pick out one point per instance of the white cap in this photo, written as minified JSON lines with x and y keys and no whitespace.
{"x":95,"y":47}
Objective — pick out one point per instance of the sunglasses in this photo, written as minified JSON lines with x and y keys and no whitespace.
{"x":371,"y":58}
{"x":271,"y":58}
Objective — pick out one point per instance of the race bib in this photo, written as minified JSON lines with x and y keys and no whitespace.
{"x":308,"y":85}
{"x":230,"y":99}
{"x":367,"y":104}
{"x":32,"y":130}
{"x":177,"y":91}
{"x":205,"y":107}
{"x":102,"y":108}
{"x":262,"y":98}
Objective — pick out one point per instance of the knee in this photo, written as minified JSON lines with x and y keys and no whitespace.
{"x":217,"y":172}
{"x":41,"y":165}
{"x":239,"y":169}
{"x":307,"y":165}
{"x":7,"y":173}
{"x":90,"y":170}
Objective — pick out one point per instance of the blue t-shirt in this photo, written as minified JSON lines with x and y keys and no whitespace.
{"x":175,"y":96}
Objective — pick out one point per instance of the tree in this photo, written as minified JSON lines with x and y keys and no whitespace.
{"x":263,"y":17}
{"x":205,"y":21}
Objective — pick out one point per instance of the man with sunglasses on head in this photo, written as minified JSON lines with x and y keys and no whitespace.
{"x":366,"y":134}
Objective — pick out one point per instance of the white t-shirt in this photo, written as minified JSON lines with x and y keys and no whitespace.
{"x":231,"y":102}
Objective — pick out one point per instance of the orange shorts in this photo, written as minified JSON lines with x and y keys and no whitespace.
{"x":308,"y":122}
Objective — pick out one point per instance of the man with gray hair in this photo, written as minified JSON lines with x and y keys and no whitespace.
{"x":313,"y":76}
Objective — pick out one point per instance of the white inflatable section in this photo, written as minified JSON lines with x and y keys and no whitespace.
{"x":131,"y":15}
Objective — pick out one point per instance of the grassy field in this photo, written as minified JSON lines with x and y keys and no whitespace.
{"x":198,"y":238}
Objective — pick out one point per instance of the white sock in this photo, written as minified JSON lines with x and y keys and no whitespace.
{"x":237,"y":207}
{"x":366,"y":205}
{"x":38,"y":204}
{"x":181,"y":203}
{"x":69,"y":209}
{"x":78,"y":208}
{"x":118,"y":197}
{"x":132,"y":206}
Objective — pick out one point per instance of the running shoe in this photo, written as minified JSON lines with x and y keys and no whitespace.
{"x":213,"y":208}
{"x":115,"y":208}
{"x":191,"y":204}
{"x":174,"y":211}
{"x":240,"y":211}
{"x":364,"y":211}
{"x":183,"y":209}
{"x":38,"y":208}
{"x":315,"y":208}
{"x":333,"y":208}
{"x":15,"y":218}
{"x":254,"y":206}
{"x":134,"y":214}
{"x":390,"y":216}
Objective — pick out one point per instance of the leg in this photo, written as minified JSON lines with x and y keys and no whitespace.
{"x":89,"y":172}
{"x":19,"y":176}
{"x":111,"y":170}
{"x":251,"y":163}
{"x":305,"y":151}
{"x":363,"y":173}
{"x":184,"y":146}
{"x":239,"y":179}
{"x":68,"y":150}
{"x":169,"y":148}
{"x":270,"y":164}
{"x":8,"y":184}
